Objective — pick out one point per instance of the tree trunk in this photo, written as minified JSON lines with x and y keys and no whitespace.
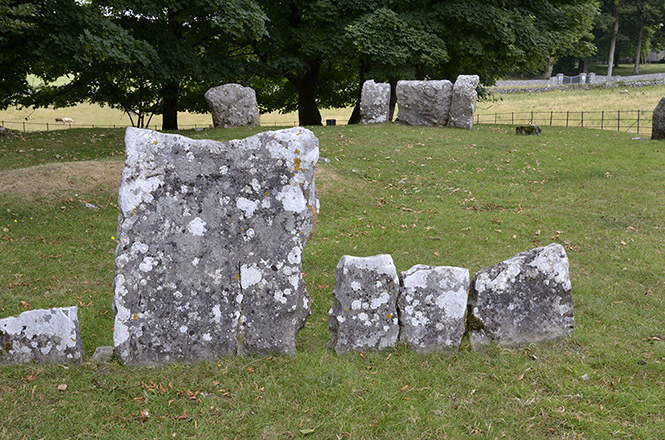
{"x":393,"y":98}
{"x":308,"y":110}
{"x":550,"y":67}
{"x":613,"y":42}
{"x":638,"y":51}
{"x":170,"y":106}
{"x":355,"y":115}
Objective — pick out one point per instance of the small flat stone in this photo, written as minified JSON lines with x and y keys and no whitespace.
{"x":103,"y":353}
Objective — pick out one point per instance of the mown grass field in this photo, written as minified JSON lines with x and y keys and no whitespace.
{"x":435,"y":196}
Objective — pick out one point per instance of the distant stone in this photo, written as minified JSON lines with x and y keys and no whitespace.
{"x":374,"y":102}
{"x":658,"y":121}
{"x":103,"y":353}
{"x":464,"y":99}
{"x":525,"y":299}
{"x":364,"y":315}
{"x":528,"y":130}
{"x":6,"y":132}
{"x":42,"y":336}
{"x":210,"y":245}
{"x":233,"y":105}
{"x":424,"y":102}
{"x":432,"y":305}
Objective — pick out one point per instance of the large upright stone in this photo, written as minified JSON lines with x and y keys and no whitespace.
{"x":424,"y":102}
{"x":364,"y":315}
{"x":41,"y":336}
{"x":210,"y":243}
{"x":522,"y":300}
{"x":374,"y":102}
{"x":432,"y":304}
{"x":233,"y":105}
{"x":658,"y":121}
{"x":463,"y":104}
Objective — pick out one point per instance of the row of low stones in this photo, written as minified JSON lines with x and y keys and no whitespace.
{"x":432,"y":103}
{"x":209,"y":264}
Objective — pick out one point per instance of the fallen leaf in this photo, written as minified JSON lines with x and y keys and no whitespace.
{"x":306,"y":431}
{"x":62,"y":387}
{"x":31,"y":377}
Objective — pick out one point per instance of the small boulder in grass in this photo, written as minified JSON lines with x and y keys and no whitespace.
{"x":528,"y":130}
{"x":524,"y":299}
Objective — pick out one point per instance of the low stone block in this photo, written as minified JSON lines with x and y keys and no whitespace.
{"x":42,"y":336}
{"x":424,"y":102}
{"x":233,"y":105}
{"x":528,"y":130}
{"x":210,"y":245}
{"x":374,"y":102}
{"x":464,"y":99}
{"x":525,"y":299}
{"x":658,"y":120}
{"x":364,"y":315}
{"x":432,"y":305}
{"x":103,"y":353}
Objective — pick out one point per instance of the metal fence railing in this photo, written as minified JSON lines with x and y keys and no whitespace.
{"x":629,"y":121}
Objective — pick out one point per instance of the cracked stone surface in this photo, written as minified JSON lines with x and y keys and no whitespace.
{"x":463,"y":104}
{"x":524,"y":299}
{"x":374,"y":102}
{"x":424,"y":102}
{"x":210,"y":244}
{"x":42,"y":336}
{"x":364,"y":315}
{"x":432,"y":305}
{"x":233,"y":105}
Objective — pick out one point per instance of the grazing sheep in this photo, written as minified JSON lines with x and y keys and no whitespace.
{"x":65,"y":120}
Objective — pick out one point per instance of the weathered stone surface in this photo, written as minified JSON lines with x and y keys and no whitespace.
{"x":528,"y":130}
{"x":463,"y":104}
{"x":233,"y":105}
{"x":374,"y":102}
{"x":210,"y":242}
{"x":522,"y":300}
{"x":41,"y":336}
{"x":658,"y":121}
{"x":424,"y":102}
{"x":432,"y":305}
{"x":364,"y":316}
{"x":103,"y":353}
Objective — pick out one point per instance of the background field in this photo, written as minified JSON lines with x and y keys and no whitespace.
{"x":436,"y":196}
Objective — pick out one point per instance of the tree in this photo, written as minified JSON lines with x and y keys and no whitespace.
{"x":148,"y":56}
{"x":646,"y":17}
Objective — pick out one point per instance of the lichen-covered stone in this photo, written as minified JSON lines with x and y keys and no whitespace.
{"x":464,"y":99}
{"x":658,"y":120}
{"x":42,"y":336}
{"x":210,"y":243}
{"x":524,"y":299}
{"x":364,"y":315}
{"x":432,"y":305}
{"x":374,"y":102}
{"x":233,"y":105}
{"x":424,"y":102}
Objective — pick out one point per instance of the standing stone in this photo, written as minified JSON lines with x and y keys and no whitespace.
{"x":424,"y":102}
{"x":432,"y":304}
{"x":658,"y":121}
{"x":41,"y":336}
{"x":210,"y":243}
{"x":374,"y":102}
{"x":233,"y":105}
{"x":464,"y":101}
{"x":522,"y":300}
{"x":364,"y":315}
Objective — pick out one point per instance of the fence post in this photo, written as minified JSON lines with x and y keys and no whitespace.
{"x":582,"y":120}
{"x":638,"y":122}
{"x":512,"y":118}
{"x":602,"y":119}
{"x":24,"y":127}
{"x":531,"y":122}
{"x":551,"y":115}
{"x":618,"y":120}
{"x":567,"y":117}
{"x":494,"y":117}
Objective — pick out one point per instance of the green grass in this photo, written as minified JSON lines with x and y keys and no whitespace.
{"x":434,"y":196}
{"x":627,"y":69}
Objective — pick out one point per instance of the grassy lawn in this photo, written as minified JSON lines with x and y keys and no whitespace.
{"x":435,"y":196}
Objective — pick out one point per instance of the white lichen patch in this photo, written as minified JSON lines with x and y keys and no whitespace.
{"x":197,"y":227}
{"x":247,"y":206}
{"x":148,"y":264}
{"x":292,"y":199}
{"x":250,"y":275}
{"x":383,"y":298}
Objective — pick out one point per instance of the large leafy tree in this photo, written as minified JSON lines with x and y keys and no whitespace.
{"x":145,"y":56}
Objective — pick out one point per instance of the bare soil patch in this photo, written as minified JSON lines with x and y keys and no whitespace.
{"x":55,"y":180}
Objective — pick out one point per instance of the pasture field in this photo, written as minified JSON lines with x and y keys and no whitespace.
{"x":436,"y":196}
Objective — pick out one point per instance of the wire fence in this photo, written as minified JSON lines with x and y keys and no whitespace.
{"x":629,"y":121}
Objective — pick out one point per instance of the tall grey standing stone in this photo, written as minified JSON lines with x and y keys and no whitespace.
{"x":432,"y":305}
{"x":233,"y":105}
{"x":464,"y":101}
{"x":658,"y":121}
{"x":41,"y":336}
{"x":524,"y":299}
{"x":374,"y":102}
{"x":364,"y":315}
{"x":424,"y":102}
{"x":210,"y":243}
